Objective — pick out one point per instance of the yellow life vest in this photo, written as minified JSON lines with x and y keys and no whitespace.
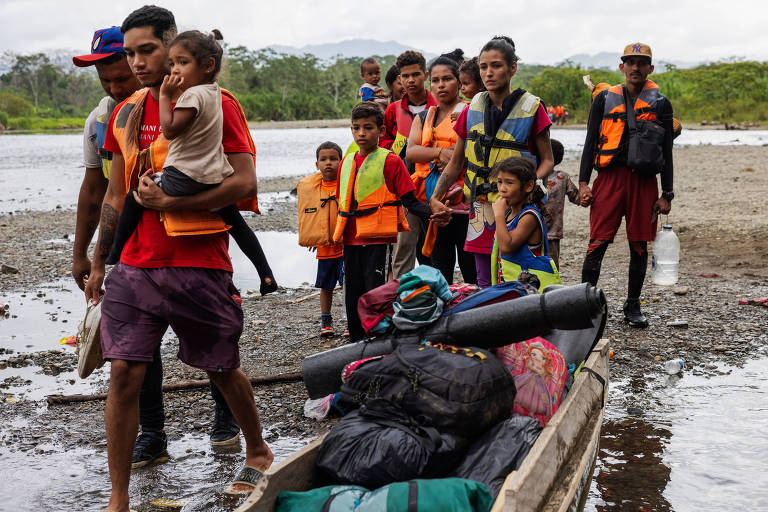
{"x":363,"y":194}
{"x":318,"y":210}
{"x":126,"y":132}
{"x":483,"y":150}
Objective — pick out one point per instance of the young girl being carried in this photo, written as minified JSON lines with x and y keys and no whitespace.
{"x":498,"y":124}
{"x":521,"y":235}
{"x":191,"y":119}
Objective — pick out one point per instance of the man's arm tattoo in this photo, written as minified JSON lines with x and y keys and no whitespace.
{"x":108,"y":224}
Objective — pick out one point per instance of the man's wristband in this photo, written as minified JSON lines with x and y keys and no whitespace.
{"x":668,"y":195}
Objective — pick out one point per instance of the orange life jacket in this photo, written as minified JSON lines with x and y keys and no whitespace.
{"x":403,"y":122}
{"x":126,"y":131}
{"x":318,"y":210}
{"x":615,"y":119}
{"x":441,"y":136}
{"x":363,"y":194}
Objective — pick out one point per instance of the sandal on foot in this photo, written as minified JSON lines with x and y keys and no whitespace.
{"x":266,"y":287}
{"x":247,"y":476}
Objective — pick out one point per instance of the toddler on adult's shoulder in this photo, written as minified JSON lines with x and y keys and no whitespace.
{"x":370,"y":72}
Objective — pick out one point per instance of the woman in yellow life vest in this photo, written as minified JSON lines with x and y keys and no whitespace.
{"x":498,"y":124}
{"x":430,"y":147}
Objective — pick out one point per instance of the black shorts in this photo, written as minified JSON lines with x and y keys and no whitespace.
{"x":329,"y":272}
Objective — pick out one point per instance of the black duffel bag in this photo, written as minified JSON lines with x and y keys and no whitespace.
{"x":380,"y":444}
{"x":645,"y":149}
{"x":460,"y":390}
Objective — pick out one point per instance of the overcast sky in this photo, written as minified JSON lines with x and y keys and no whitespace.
{"x":545,"y":31}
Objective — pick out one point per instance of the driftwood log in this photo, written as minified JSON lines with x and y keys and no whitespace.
{"x":178,"y":386}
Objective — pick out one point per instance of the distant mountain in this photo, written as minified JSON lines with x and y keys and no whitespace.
{"x":609,"y":60}
{"x":349,"y":48}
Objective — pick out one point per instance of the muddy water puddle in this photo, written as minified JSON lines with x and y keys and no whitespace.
{"x":77,"y":479}
{"x":694,"y":442}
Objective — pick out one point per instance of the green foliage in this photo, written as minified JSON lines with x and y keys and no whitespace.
{"x":721,"y":92}
{"x":3,"y":119}
{"x":14,"y":105}
{"x":35,"y":86}
{"x":41,"y":124}
{"x":273,"y":86}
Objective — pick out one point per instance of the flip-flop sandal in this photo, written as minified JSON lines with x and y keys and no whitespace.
{"x":247,"y":476}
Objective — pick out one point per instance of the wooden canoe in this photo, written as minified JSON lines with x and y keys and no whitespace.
{"x":555,"y":476}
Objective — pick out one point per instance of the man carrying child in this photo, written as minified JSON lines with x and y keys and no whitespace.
{"x":183,"y":281}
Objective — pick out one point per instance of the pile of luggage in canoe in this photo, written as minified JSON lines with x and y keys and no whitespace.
{"x":450,"y":396}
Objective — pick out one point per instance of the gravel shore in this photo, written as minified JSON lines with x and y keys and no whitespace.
{"x":718,"y":214}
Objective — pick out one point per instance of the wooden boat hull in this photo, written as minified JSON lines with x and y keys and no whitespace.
{"x":555,"y":476}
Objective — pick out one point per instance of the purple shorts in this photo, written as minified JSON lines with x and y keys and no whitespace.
{"x":201,"y":305}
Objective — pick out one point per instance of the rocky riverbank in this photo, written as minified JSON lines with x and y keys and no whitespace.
{"x":718,"y":214}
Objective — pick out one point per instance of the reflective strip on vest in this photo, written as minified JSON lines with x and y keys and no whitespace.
{"x":403,"y":122}
{"x":366,"y":180}
{"x":102,"y":121}
{"x":615,"y":119}
{"x":484,"y":150}
{"x":362,"y":193}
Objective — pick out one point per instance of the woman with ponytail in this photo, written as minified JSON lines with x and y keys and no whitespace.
{"x":498,"y":124}
{"x":430,"y":147}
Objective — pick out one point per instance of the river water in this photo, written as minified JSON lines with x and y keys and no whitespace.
{"x":51,"y":164}
{"x":683,"y":453}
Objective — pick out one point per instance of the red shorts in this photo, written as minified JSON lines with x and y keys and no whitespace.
{"x":619,"y":192}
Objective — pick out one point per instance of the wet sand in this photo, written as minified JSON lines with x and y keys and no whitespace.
{"x":718,"y":213}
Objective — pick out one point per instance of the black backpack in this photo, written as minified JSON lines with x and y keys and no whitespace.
{"x":460,"y":390}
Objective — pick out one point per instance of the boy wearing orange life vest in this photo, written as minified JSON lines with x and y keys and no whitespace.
{"x":373,"y":187}
{"x":318,"y":209}
{"x":626,"y":185}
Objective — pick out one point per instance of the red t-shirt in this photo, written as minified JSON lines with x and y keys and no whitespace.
{"x":540,"y":123}
{"x":150,"y":246}
{"x":398,"y":182}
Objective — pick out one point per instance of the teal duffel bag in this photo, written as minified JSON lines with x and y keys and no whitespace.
{"x":437,"y":495}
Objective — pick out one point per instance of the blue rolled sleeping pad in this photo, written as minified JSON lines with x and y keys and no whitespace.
{"x":570,"y":317}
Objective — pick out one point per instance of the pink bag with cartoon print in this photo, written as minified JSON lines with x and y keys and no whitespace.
{"x":540,"y":372}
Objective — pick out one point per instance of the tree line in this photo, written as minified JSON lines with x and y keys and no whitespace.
{"x":274,"y":86}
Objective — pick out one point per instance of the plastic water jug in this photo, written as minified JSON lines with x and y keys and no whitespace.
{"x":666,"y":257}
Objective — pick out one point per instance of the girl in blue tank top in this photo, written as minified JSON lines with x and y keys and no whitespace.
{"x":522,"y":244}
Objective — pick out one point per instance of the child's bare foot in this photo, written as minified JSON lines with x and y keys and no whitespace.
{"x":268,"y":285}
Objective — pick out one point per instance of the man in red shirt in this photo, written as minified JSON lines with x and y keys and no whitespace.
{"x":397,"y":127}
{"x":183,"y":281}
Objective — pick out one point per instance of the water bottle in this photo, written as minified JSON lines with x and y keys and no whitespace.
{"x":674,"y":366}
{"x":666,"y":257}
